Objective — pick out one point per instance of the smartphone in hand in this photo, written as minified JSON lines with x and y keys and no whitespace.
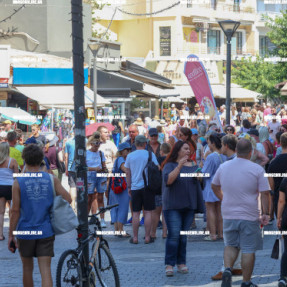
{"x":13,"y":246}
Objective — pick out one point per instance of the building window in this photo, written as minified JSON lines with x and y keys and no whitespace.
{"x":265,"y":46}
{"x":165,"y":41}
{"x":213,"y":4}
{"x":189,"y":3}
{"x":236,"y":6}
{"x":213,"y":42}
{"x":238,"y":36}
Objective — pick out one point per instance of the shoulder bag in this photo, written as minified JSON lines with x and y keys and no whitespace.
{"x":59,"y":161}
{"x":63,"y":217}
{"x":104,"y":167}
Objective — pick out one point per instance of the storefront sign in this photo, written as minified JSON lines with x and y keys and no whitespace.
{"x":190,"y":35}
{"x":3,"y":96}
{"x":165,"y":41}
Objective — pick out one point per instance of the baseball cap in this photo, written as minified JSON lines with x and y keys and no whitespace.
{"x":253,"y":132}
{"x":123,"y":146}
{"x":194,"y":131}
{"x":140,"y":139}
{"x":7,"y":122}
{"x":153,"y":132}
{"x":173,"y":105}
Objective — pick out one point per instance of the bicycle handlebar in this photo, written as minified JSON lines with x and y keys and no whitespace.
{"x":104,"y":209}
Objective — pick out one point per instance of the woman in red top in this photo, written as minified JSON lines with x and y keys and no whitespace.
{"x":185,"y":135}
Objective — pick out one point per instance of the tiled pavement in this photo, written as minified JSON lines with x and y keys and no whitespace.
{"x":143,"y":265}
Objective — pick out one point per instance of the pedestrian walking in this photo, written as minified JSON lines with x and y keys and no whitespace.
{"x":118,"y":130}
{"x":140,"y":196}
{"x":8,"y":165}
{"x":70,"y":147}
{"x":212,"y":202}
{"x":32,"y":203}
{"x":96,"y":162}
{"x":14,"y":153}
{"x":109,"y":149}
{"x":282,"y":226}
{"x":119,"y":214}
{"x":237,"y":183}
{"x":229,"y":143}
{"x":182,"y":197}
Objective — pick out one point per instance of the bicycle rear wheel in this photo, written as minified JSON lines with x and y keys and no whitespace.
{"x":69,"y":270}
{"x":106,"y":268}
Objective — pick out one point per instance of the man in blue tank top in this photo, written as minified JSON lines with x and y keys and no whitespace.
{"x":32,"y":196}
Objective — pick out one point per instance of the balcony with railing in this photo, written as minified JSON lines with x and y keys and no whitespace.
{"x":221,"y":10}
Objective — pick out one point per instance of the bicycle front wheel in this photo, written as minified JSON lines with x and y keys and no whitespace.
{"x":69,"y":271}
{"x":106,"y":268}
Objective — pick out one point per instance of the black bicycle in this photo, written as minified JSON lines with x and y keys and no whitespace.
{"x":73,"y":270}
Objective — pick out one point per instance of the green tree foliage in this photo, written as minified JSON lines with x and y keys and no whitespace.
{"x":262,"y":75}
{"x":96,"y":5}
{"x":258,"y":76}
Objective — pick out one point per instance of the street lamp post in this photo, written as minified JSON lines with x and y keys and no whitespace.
{"x":94,"y":46}
{"x":228,"y":27}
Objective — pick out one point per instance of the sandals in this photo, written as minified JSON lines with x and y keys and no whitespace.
{"x":169,"y":272}
{"x":132,"y":241}
{"x":150,"y":241}
{"x":182,"y":270}
{"x":209,"y":238}
{"x":153,"y":238}
{"x":127,"y":235}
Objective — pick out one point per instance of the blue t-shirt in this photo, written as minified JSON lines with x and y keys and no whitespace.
{"x":36,"y":202}
{"x":136,"y":161}
{"x":70,"y":150}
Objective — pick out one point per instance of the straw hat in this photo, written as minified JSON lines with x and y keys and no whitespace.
{"x":156,"y":118}
{"x":139,"y":122}
{"x":162,"y":122}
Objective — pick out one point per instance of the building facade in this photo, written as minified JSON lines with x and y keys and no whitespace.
{"x":43,"y":28}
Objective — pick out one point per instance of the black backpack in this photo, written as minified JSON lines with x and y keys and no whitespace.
{"x":153,"y":175}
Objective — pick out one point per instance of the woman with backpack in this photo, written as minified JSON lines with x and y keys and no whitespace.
{"x":117,"y":131}
{"x":119,"y":191}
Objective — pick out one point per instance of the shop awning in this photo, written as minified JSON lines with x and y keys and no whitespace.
{"x":238,"y":94}
{"x":142,"y":74}
{"x":156,"y":93}
{"x":59,"y":96}
{"x":113,"y":80}
{"x":17,"y":115}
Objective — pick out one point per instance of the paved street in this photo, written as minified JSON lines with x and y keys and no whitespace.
{"x":143,"y":265}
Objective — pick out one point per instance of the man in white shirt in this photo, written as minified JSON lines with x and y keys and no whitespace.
{"x":237,"y":183}
{"x":274,"y":127}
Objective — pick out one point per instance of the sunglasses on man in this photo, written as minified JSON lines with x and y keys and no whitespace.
{"x":96,"y":143}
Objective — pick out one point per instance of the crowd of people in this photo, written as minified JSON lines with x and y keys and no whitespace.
{"x":203,"y":167}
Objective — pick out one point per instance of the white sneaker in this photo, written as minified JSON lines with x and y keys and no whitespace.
{"x":103,"y":223}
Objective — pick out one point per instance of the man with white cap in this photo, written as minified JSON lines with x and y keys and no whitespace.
{"x":155,"y":122}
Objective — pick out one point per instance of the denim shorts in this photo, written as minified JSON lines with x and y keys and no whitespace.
{"x":98,"y":183}
{"x":243,"y":234}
